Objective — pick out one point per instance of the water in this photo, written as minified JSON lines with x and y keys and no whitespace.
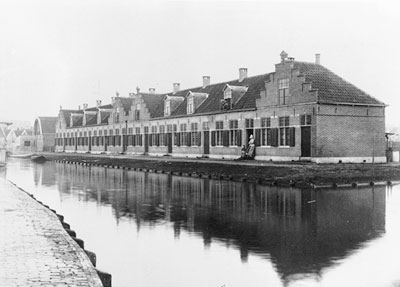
{"x":160,"y":230}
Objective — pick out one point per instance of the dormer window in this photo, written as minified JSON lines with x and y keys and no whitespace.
{"x":137,"y":112}
{"x":228,"y":94}
{"x":194,"y":100}
{"x":190,"y":105}
{"x":283,"y":90}
{"x":167,"y":108}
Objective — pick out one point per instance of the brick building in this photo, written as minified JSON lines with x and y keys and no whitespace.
{"x":44,"y":130}
{"x":300,"y":111}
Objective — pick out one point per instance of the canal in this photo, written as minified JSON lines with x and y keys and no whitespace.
{"x":153,"y":230}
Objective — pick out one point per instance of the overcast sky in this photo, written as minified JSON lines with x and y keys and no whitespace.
{"x":70,"y":52}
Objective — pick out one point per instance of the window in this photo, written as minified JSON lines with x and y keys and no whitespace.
{"x":305,"y":120}
{"x":162,"y":137}
{"x":266,"y":138}
{"x":169,"y":128}
{"x":137,"y":140}
{"x":219,"y":126}
{"x":130,"y":131}
{"x":153,"y":137}
{"x":194,"y":135}
{"x":190,"y":105}
{"x":137,"y":112}
{"x":234,"y":133}
{"x":283,"y":90}
{"x":146,"y":130}
{"x":249,"y":123}
{"x":206,"y":126}
{"x":286,"y":134}
{"x":183,"y":135}
{"x":167,"y":109}
{"x":27,"y":143}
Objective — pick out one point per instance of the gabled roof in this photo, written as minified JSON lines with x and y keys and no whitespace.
{"x":106,"y":107}
{"x":212,"y":103}
{"x":126,"y":103}
{"x":77,"y":120}
{"x":67,"y":115}
{"x":154,"y":104}
{"x":91,"y":119}
{"x":332,"y":88}
{"x":104,"y":115}
{"x":48,"y":124}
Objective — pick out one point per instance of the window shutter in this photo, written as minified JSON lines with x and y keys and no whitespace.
{"x":274,"y":137}
{"x":188,"y":138}
{"x":263,"y":137}
{"x":212,"y":138}
{"x":150,"y":139}
{"x":198,"y":138}
{"x":257,"y":138}
{"x":178,"y":139}
{"x":140,"y":140}
{"x":225,"y":138}
{"x":157,"y":139}
{"x":292,"y":132}
{"x":239,"y":138}
{"x":165,"y":139}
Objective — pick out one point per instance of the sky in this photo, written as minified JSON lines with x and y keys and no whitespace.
{"x":66,"y":53}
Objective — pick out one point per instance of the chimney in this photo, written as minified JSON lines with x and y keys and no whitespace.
{"x":317,"y":59}
{"x":98,"y":103}
{"x":176,"y":87}
{"x":206,"y":81}
{"x":242,"y":74}
{"x":85,"y":106}
{"x":152,"y":90}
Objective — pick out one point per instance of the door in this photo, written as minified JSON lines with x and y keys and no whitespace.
{"x":206,"y":142}
{"x":305,"y":141}
{"x":90,"y":143}
{"x":146,"y":143}
{"x":249,"y":132}
{"x":169,"y":142}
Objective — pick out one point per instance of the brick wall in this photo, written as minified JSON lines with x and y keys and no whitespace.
{"x":345,"y":131}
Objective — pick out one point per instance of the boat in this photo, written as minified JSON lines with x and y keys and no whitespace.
{"x":38,"y":158}
{"x":22,"y":155}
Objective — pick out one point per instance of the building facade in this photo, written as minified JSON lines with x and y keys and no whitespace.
{"x":301,"y":111}
{"x":44,"y":131}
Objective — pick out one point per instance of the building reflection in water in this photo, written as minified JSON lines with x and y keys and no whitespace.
{"x":300,"y":231}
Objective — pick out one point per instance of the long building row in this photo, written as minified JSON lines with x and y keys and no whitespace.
{"x":300,"y":111}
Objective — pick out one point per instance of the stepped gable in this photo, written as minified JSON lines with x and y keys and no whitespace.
{"x":126,"y":104}
{"x":332,"y":88}
{"x":154,"y":104}
{"x":215,"y":95}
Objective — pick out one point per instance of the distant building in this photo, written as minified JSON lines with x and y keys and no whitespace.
{"x":300,"y":111}
{"x":44,"y":130}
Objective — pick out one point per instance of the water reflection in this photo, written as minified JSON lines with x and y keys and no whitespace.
{"x":299,"y":231}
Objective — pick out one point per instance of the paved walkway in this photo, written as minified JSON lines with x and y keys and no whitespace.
{"x":35,"y":250}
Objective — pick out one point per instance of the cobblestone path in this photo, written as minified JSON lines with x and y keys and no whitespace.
{"x":35,"y":250}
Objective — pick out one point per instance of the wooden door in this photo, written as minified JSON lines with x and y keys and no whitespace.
{"x":206,"y":142}
{"x":169,"y":142}
{"x":305,"y":141}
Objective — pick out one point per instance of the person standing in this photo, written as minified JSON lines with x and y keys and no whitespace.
{"x":250,"y":152}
